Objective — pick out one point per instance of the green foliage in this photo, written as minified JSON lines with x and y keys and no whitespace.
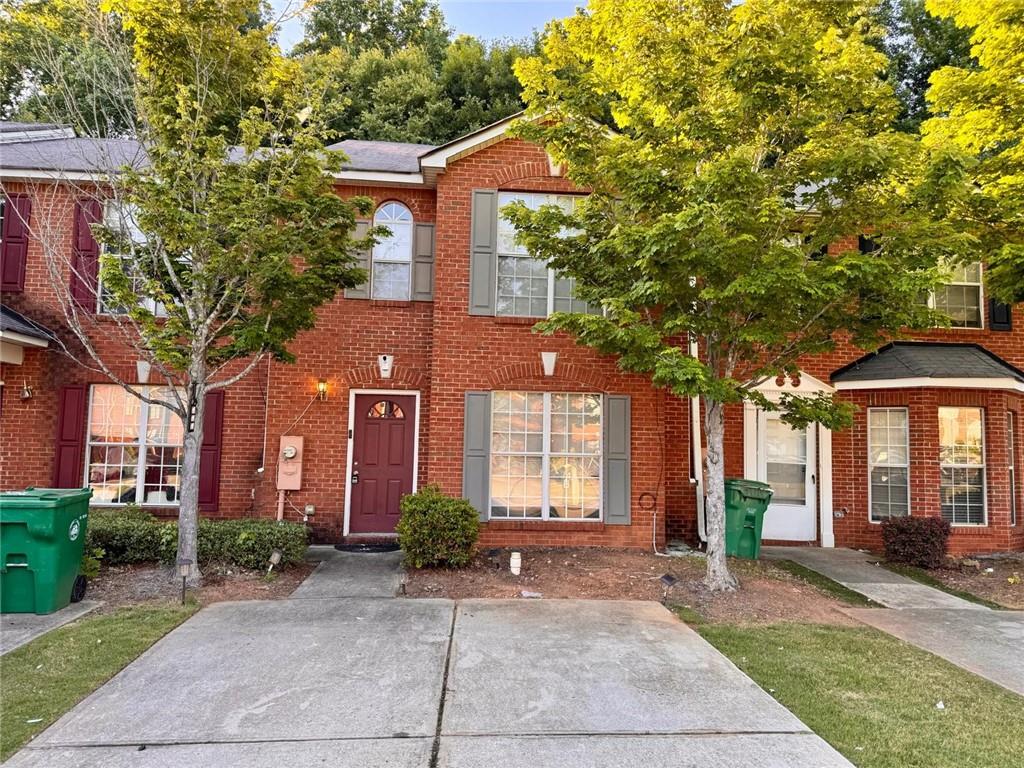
{"x":245,"y":543}
{"x":91,"y":561}
{"x":435,"y":529}
{"x":917,"y":44}
{"x":978,"y":139}
{"x":726,"y":147}
{"x":124,"y":536}
{"x":65,"y":62}
{"x":130,"y":536}
{"x":918,"y":541}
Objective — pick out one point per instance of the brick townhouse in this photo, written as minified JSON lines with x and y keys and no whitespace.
{"x":432,"y":373}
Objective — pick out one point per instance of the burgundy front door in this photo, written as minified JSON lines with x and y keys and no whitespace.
{"x":383,"y":444}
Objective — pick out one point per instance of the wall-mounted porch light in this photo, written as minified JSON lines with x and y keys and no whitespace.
{"x":321,"y":389}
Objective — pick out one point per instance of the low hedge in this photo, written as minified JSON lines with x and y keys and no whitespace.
{"x":435,"y":529}
{"x":130,"y":536}
{"x":919,"y":541}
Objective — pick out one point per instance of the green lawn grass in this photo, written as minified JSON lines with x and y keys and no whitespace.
{"x":42,"y":680}
{"x":874,"y":697}
{"x":922,"y":576}
{"x":826,"y":585}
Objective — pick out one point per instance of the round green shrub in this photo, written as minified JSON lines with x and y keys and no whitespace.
{"x":435,"y":529}
{"x":125,"y":536}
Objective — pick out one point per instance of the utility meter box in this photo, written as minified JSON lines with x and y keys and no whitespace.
{"x":289,"y":464}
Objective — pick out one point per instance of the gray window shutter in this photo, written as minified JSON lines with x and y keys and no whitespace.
{"x":476,"y":452}
{"x":616,"y":460}
{"x":483,"y":252}
{"x":423,"y":263}
{"x":362,"y":261}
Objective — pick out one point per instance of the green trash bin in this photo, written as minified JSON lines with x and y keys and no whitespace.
{"x":745,"y":505}
{"x":42,"y":533}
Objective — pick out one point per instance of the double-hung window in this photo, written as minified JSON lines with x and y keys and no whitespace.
{"x":123,"y":219}
{"x":391,"y":271}
{"x":546,"y":456}
{"x":961,"y":297}
{"x":888,"y":463}
{"x":526,"y":286}
{"x":962,"y":465}
{"x":135,"y":449}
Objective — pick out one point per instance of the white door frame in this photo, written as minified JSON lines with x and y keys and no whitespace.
{"x":351,"y":442}
{"x":823,"y":463}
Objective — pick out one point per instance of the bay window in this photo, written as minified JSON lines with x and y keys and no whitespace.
{"x":134,"y":449}
{"x":527,"y":287}
{"x":962,"y":465}
{"x":888,"y":463}
{"x":545,"y":456}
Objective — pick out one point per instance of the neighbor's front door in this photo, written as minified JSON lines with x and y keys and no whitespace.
{"x":786,"y":458}
{"x":383,"y":446}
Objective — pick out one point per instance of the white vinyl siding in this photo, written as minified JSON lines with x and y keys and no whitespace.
{"x":962,"y":465}
{"x":888,"y":463}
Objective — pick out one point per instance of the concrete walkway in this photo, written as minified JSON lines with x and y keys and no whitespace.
{"x":322,"y":679}
{"x":986,"y":642}
{"x":16,"y":629}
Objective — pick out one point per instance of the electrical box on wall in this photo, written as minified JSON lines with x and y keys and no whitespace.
{"x":289,"y":464}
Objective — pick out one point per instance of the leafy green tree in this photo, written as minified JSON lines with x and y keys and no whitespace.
{"x":89,"y":49}
{"x":725,"y":145}
{"x":980,"y":114}
{"x":917,"y":44}
{"x":221,"y":248}
{"x":387,"y":25}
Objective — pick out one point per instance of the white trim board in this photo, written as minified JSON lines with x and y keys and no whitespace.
{"x":928,"y":381}
{"x":350,"y":442}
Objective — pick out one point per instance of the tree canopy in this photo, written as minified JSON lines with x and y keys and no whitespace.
{"x":726,"y":146}
{"x":979,"y":113}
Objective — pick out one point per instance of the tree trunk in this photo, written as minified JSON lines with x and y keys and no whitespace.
{"x":188,"y":500}
{"x":718,"y":578}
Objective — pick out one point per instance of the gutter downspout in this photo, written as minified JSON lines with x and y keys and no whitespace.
{"x":697,"y":456}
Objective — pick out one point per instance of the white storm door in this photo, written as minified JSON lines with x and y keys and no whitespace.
{"x":786,"y":460}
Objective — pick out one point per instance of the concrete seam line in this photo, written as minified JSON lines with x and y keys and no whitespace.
{"x":436,"y":749}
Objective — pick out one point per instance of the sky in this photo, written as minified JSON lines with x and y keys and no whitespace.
{"x":488,"y":19}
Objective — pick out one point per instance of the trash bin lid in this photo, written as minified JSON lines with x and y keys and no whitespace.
{"x":44,"y":497}
{"x":752,"y":488}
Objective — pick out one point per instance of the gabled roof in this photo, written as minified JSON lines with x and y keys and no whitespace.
{"x":12,"y":131}
{"x":74,"y":155}
{"x":393,"y":156}
{"x":929,"y":363}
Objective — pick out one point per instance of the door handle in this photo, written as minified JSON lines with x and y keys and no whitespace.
{"x":355,"y":477}
{"x":813,"y":481}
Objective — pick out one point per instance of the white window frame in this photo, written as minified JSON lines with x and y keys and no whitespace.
{"x":409,"y":261}
{"x":983,"y":467}
{"x":548,"y":198}
{"x":113,"y":219}
{"x":872,"y":465}
{"x":140,"y":464}
{"x":1011,"y":444}
{"x":980,"y":285}
{"x":545,"y":456}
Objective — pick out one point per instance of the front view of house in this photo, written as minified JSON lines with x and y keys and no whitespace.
{"x":431,"y":372}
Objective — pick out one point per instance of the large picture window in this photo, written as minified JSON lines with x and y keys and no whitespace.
{"x":135,"y":449}
{"x":962,"y":465}
{"x":961,"y":297}
{"x":526,"y":286}
{"x":545,"y":456}
{"x":889,"y":463}
{"x":391,"y":272}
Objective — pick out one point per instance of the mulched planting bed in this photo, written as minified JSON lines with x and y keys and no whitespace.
{"x":768,"y":594}
{"x":133,"y":584}
{"x":1004,"y":584}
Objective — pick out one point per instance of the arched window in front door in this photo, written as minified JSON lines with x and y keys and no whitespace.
{"x":391,"y":276}
{"x":385,"y":409}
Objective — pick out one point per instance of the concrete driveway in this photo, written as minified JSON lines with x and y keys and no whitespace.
{"x":363,"y":681}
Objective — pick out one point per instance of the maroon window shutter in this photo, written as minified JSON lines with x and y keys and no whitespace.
{"x":70,"y":445}
{"x":209,"y":453}
{"x":85,"y":256}
{"x":14,"y":248}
